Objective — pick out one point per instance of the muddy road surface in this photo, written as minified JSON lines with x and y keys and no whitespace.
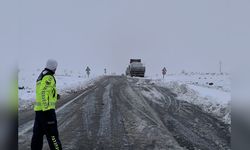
{"x":120,"y":113}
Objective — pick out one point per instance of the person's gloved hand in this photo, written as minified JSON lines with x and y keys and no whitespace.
{"x":58,"y":96}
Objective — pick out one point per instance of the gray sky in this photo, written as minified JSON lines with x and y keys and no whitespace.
{"x":179,"y":34}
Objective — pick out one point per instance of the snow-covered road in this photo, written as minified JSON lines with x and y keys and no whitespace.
{"x":123,"y":113}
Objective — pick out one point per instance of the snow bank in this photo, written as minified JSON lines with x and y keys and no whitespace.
{"x":154,"y":95}
{"x":220,"y":81}
{"x":214,"y":99}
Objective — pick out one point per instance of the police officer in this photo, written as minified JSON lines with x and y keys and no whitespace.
{"x":45,"y":119}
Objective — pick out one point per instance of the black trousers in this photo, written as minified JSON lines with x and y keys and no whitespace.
{"x":45,"y":124}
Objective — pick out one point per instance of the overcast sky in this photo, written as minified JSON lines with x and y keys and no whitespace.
{"x":193,"y":35}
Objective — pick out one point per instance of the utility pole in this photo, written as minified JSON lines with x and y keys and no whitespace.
{"x":220,"y":63}
{"x":105,"y":71}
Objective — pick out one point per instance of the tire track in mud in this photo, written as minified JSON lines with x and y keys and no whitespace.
{"x":142,"y":124}
{"x":191,"y":127}
{"x":108,"y":131}
{"x":88,"y":121}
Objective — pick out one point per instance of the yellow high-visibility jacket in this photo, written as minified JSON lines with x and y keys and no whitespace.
{"x":46,"y":94}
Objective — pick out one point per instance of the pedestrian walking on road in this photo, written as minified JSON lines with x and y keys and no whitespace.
{"x":45,"y":115}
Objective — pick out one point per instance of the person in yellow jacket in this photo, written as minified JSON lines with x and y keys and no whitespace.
{"x":45,"y":116}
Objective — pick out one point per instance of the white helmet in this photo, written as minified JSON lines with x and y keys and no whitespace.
{"x":51,"y":65}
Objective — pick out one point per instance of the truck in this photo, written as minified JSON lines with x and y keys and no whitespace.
{"x":135,"y":68}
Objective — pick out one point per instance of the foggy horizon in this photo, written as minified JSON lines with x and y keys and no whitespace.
{"x":179,"y":35}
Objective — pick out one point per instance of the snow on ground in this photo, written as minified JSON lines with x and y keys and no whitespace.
{"x":153,"y":94}
{"x":67,"y":82}
{"x":195,"y":88}
{"x":220,"y":81}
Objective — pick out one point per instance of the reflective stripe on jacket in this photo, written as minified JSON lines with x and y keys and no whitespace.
{"x":46,"y":94}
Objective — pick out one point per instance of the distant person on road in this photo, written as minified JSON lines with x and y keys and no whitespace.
{"x":45,"y":119}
